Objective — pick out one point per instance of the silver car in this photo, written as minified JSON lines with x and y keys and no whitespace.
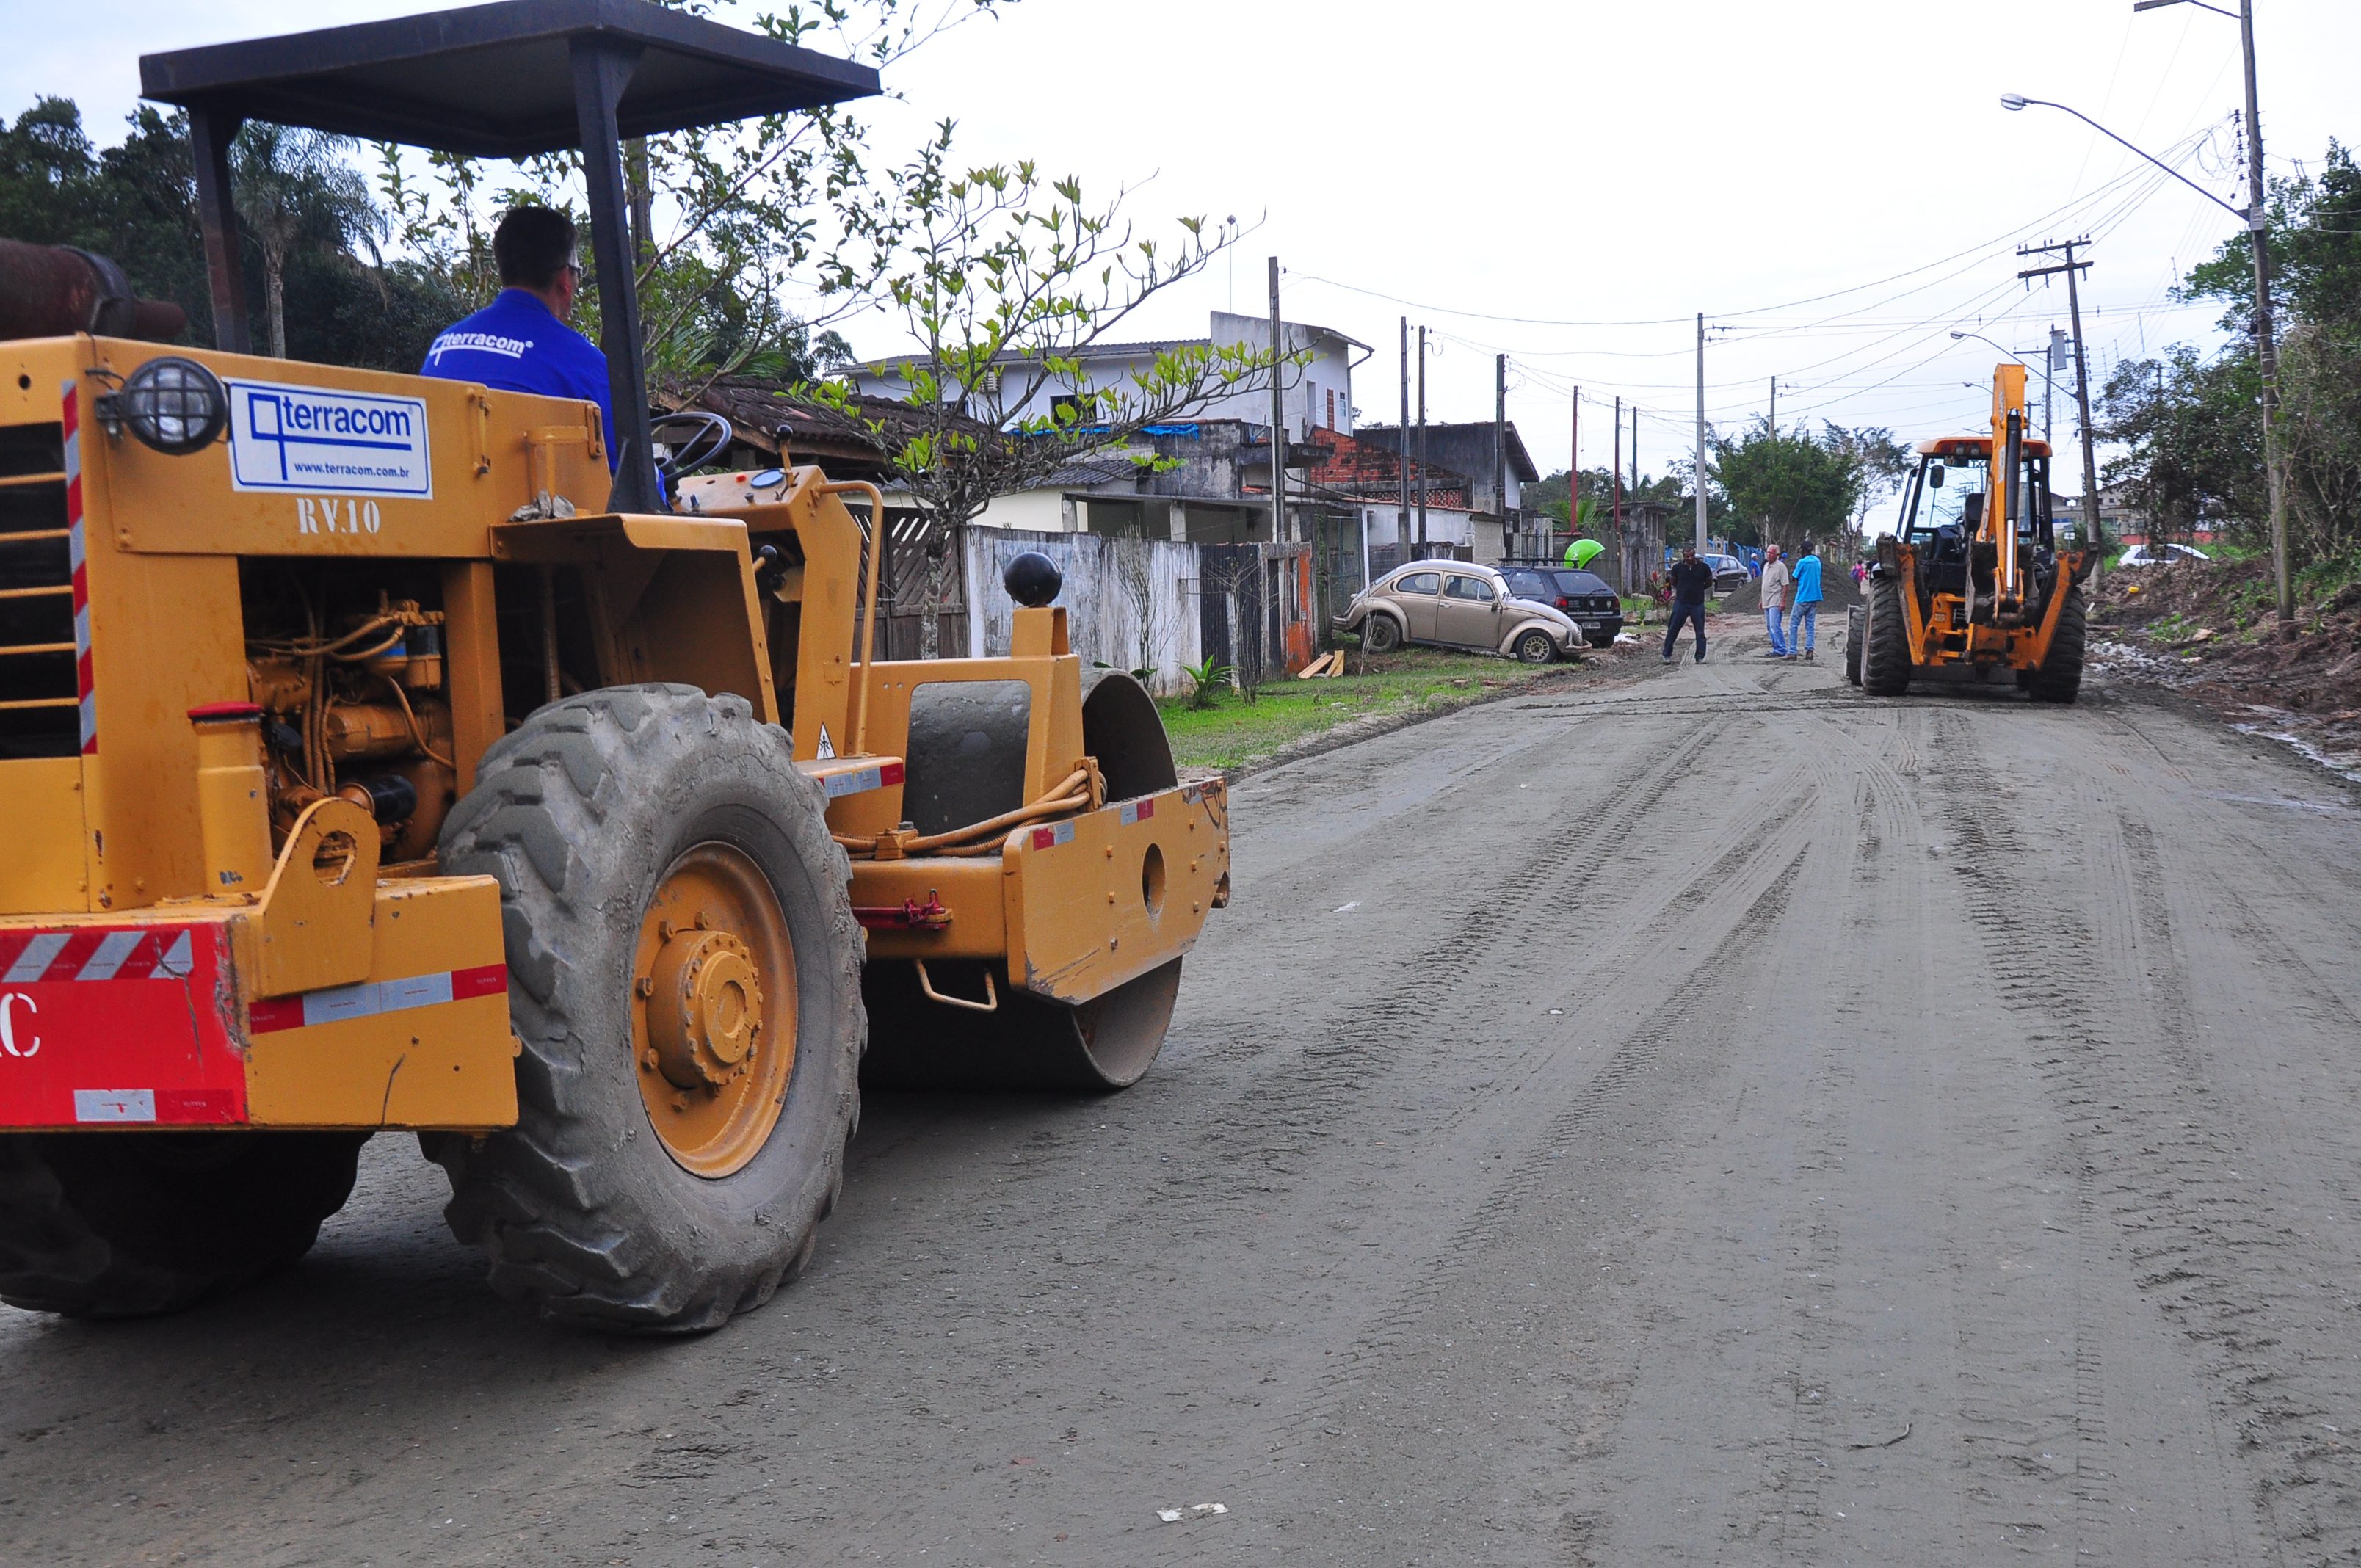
{"x":1455,"y":604}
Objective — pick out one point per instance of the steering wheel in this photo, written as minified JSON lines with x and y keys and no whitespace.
{"x":711,"y":437}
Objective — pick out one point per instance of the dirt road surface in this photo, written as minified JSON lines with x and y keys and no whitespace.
{"x":1714,"y":1118}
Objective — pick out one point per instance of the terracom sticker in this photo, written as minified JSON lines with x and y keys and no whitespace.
{"x":323,"y":442}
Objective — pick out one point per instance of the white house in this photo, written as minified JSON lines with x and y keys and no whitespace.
{"x":1319,"y":395}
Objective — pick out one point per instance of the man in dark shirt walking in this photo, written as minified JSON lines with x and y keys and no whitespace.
{"x":1692,"y":580}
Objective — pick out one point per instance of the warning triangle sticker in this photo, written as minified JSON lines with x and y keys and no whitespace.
{"x":827,"y":746}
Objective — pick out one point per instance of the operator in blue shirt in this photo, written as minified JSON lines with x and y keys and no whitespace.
{"x":519,"y":343}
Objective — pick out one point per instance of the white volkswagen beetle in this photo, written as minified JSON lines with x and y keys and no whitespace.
{"x":1456,"y":604}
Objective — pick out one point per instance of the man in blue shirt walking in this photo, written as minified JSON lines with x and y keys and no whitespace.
{"x":519,"y":343}
{"x":1808,"y":602}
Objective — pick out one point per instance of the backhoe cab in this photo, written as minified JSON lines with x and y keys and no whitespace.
{"x":376,"y":762}
{"x":1974,"y":580}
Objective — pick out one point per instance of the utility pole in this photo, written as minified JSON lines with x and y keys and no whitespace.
{"x":1426,"y":473}
{"x":1573,"y":476}
{"x":2267,"y":345}
{"x":1401,"y":518}
{"x":1697,"y":476}
{"x":1775,"y":405}
{"x":1500,"y":448}
{"x":1618,"y":467}
{"x":2073,"y":271}
{"x":1277,"y":416}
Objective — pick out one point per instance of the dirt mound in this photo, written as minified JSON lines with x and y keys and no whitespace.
{"x":1838,"y":593}
{"x":2209,"y":628}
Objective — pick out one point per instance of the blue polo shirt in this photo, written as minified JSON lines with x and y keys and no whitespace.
{"x":1808,"y":580}
{"x":516,"y":344}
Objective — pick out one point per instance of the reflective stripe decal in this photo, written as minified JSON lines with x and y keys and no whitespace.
{"x":860,"y":781}
{"x":371,"y":997}
{"x":1050,"y":838}
{"x":85,"y":687}
{"x":1137,"y":811}
{"x":96,"y":953}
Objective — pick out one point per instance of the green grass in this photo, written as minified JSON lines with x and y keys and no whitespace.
{"x":1235,"y":731}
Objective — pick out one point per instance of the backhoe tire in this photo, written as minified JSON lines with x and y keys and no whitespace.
{"x":2059,"y":678}
{"x":1854,"y":618}
{"x":129,"y":1224}
{"x":1535,"y":647}
{"x":1381,"y":634}
{"x":1885,"y":647}
{"x":656,"y":849}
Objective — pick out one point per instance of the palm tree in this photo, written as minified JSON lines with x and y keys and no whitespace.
{"x":291,"y":186}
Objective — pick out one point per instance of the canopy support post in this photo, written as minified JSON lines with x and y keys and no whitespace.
{"x":209,"y":135}
{"x":602,"y":69}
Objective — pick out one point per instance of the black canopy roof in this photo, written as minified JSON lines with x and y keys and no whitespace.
{"x":496,"y":81}
{"x":507,"y":80}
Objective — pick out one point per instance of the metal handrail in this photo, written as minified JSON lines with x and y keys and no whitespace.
{"x":859,"y":736}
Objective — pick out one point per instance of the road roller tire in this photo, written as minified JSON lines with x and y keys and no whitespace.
{"x":1854,"y":635}
{"x":1028,"y":1042}
{"x":1886,"y":651}
{"x":685,"y":976}
{"x":128,"y":1224}
{"x":2059,"y":678}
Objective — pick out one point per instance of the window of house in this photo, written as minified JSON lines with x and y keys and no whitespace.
{"x":1474,"y":589}
{"x":1066,"y":408}
{"x":1332,"y":408}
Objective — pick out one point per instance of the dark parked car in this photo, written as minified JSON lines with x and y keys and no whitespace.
{"x":1584,"y":596}
{"x":1730,"y":573}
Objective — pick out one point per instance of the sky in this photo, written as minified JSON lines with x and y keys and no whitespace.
{"x":1833,"y":182}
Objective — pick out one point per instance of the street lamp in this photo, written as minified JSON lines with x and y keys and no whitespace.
{"x":1979,"y":337}
{"x":2013,"y":102}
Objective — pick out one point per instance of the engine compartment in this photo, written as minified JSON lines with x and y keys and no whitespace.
{"x":347,"y":661}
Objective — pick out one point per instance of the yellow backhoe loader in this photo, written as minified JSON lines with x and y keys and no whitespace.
{"x":380,"y":759}
{"x":1973,"y":581}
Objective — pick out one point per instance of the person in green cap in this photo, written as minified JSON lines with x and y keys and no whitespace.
{"x":1583,"y":551}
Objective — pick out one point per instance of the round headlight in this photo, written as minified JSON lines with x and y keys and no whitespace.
{"x":175,"y":405}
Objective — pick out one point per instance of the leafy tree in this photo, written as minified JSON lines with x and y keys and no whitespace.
{"x":292,"y":187}
{"x":2189,"y":423}
{"x":1790,"y":487}
{"x":2191,"y":443}
{"x":136,"y":203}
{"x":1882,"y":462}
{"x":1003,"y":277}
{"x":2315,"y":226}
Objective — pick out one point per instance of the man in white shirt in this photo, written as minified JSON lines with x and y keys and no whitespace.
{"x":1778,"y":582}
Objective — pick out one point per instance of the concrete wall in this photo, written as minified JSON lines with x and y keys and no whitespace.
{"x":1131,"y":603}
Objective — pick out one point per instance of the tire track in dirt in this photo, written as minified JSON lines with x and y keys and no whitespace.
{"x":1396,"y":1352}
{"x":2149,"y":1128}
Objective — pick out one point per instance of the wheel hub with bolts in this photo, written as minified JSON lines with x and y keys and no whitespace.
{"x":713,"y":1010}
{"x":704,"y":1009}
